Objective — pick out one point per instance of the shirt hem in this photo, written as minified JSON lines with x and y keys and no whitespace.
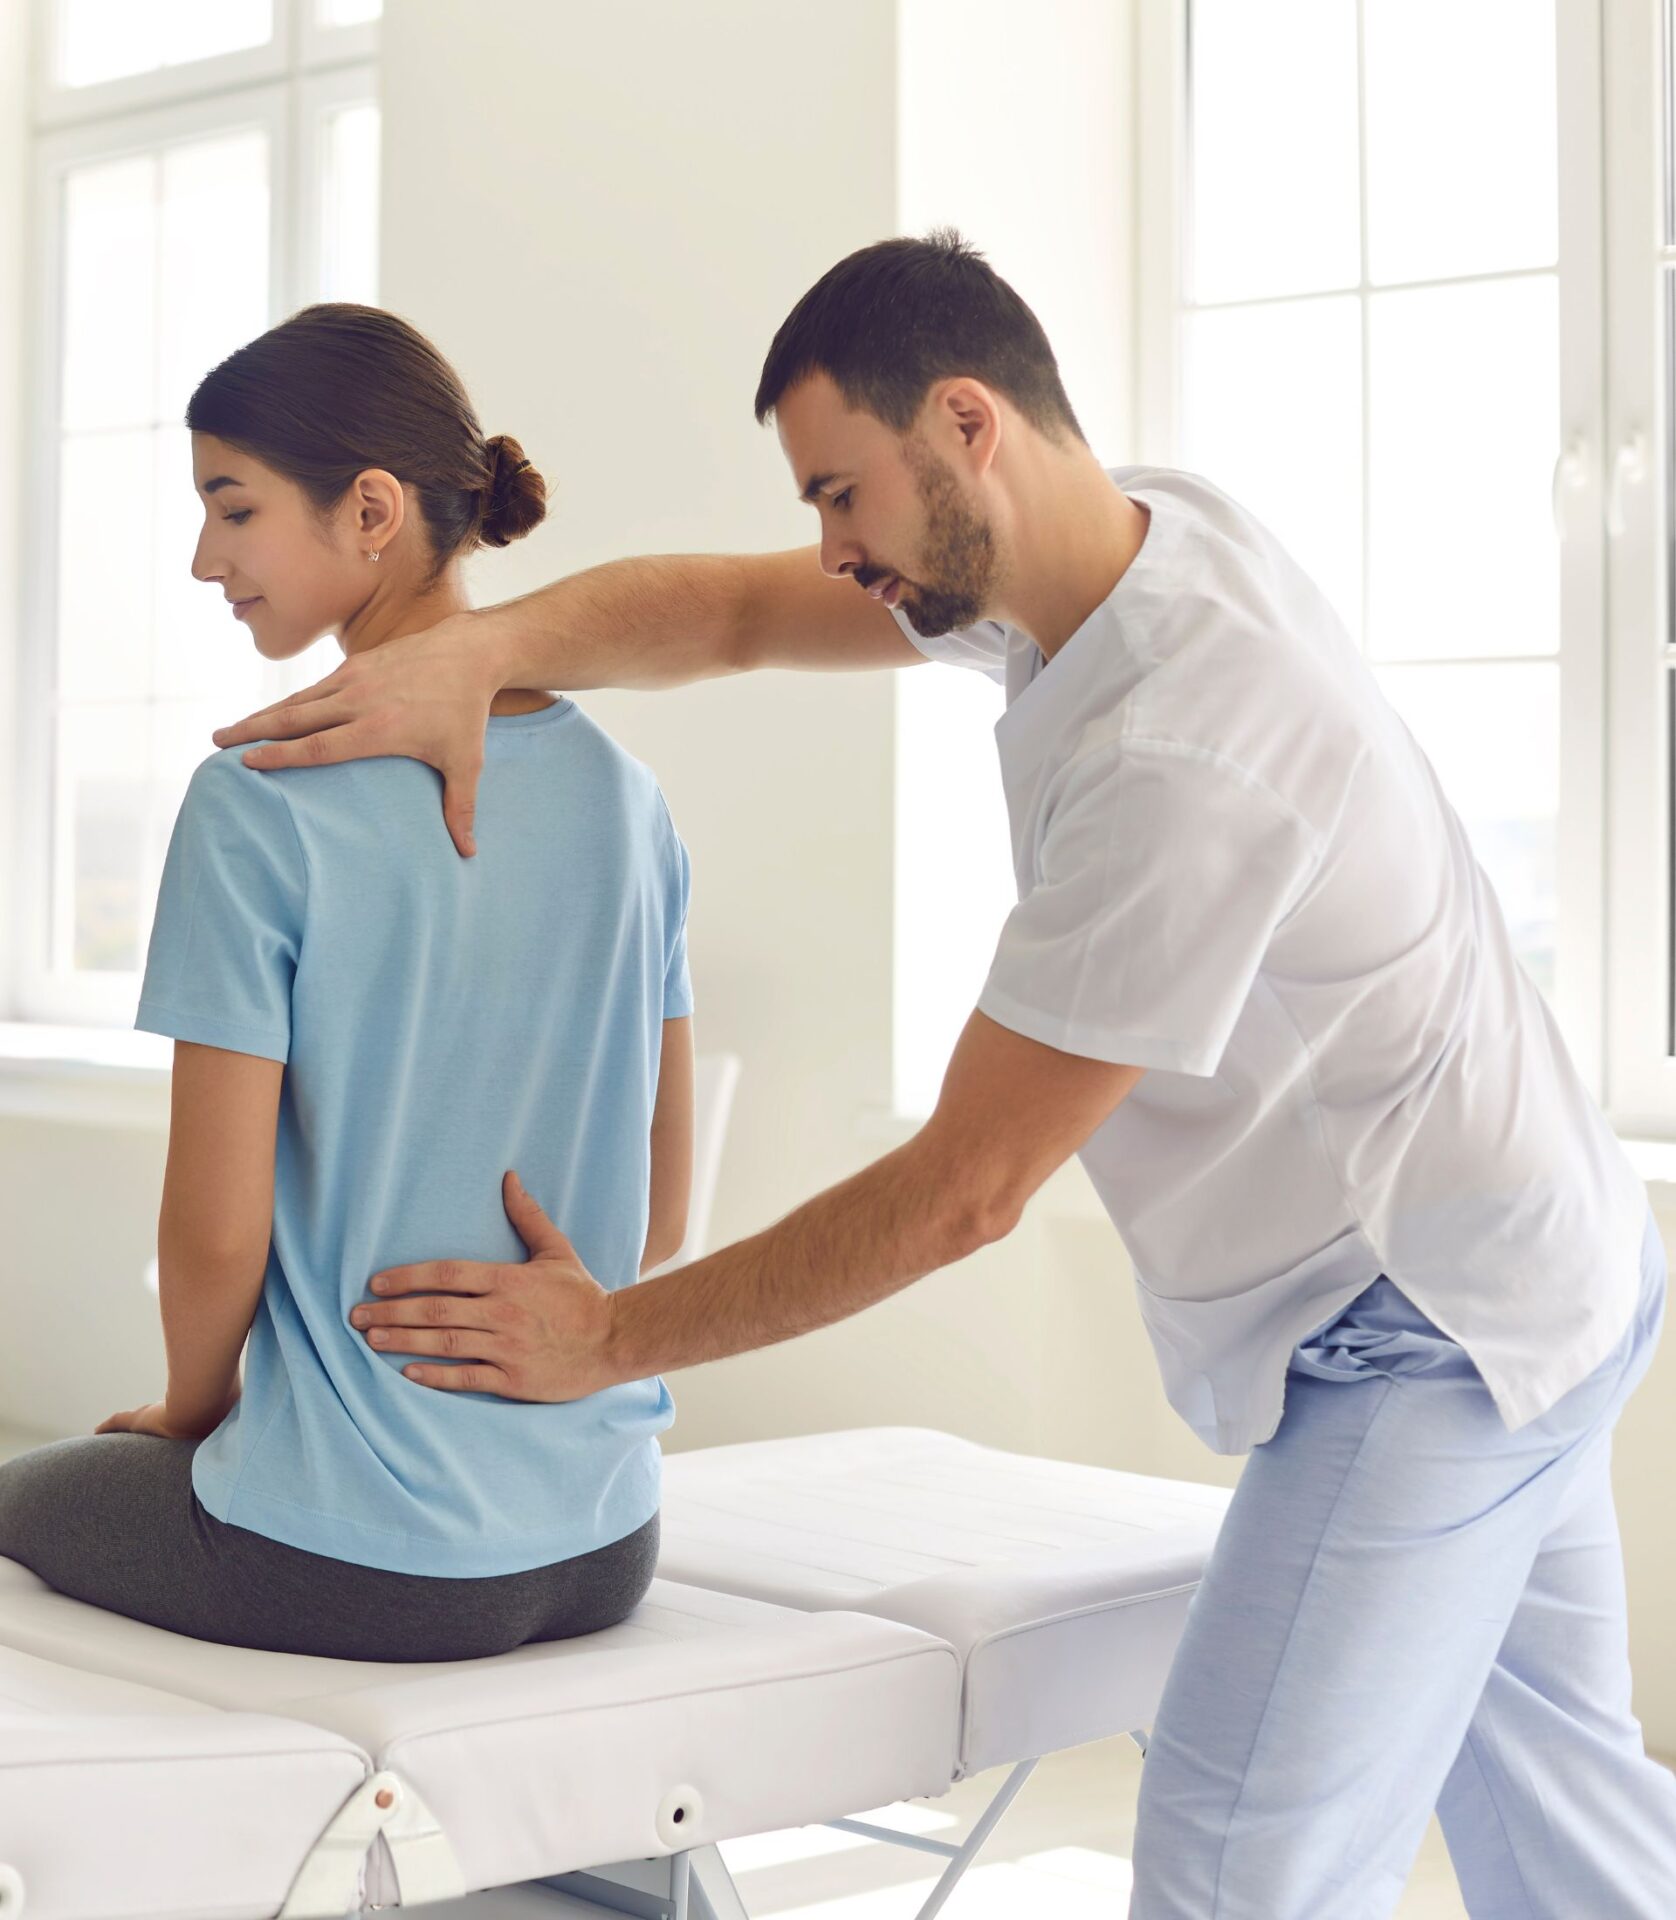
{"x":1517,"y":1405}
{"x":334,"y":1538}
{"x":1097,"y":1043}
{"x":204,"y":1031}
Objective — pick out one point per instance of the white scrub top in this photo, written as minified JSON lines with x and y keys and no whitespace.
{"x":1237,"y":869}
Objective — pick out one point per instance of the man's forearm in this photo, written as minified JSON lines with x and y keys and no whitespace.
{"x":662,"y":620}
{"x":849,"y":1247}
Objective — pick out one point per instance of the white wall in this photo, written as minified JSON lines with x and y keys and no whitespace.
{"x":1643,"y":1448}
{"x":15,"y":308}
{"x":1024,"y":139}
{"x":633,"y":198}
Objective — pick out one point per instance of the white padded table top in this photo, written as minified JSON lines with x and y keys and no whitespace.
{"x":119,"y":1801}
{"x":559,"y":1755}
{"x":1064,"y":1588}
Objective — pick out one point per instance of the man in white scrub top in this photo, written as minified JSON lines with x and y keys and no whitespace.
{"x":1384,"y":1240}
{"x":1235,"y":864}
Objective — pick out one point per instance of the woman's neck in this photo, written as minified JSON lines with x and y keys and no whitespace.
{"x":394,"y":614}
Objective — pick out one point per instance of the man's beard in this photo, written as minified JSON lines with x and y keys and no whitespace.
{"x":959,"y":552}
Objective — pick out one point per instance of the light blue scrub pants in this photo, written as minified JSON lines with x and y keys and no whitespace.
{"x":1410,"y":1608}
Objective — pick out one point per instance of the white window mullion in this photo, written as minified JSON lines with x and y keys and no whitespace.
{"x":1365,"y":315}
{"x":1641,"y":1076}
{"x":322,"y":99}
{"x":322,"y":42}
{"x":35,"y":709}
{"x":1579,"y":994}
{"x":1161,"y":225}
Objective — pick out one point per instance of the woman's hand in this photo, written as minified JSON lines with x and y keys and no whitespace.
{"x":536,"y":1331}
{"x":424,"y":696}
{"x":154,"y":1418}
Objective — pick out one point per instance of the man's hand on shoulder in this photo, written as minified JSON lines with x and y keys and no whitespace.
{"x":424,"y":696}
{"x":652,"y":621}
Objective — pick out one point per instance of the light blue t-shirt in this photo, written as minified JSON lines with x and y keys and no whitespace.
{"x":441,"y":1020}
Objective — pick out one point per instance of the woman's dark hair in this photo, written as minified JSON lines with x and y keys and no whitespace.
{"x":339,"y":388}
{"x":892,"y":318}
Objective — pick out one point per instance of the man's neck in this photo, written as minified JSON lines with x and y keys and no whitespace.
{"x":1077,"y":534}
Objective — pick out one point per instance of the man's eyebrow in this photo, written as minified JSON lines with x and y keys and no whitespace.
{"x":221,"y":480}
{"x":820,"y":480}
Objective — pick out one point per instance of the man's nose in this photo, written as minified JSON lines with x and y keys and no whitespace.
{"x":839,"y":558}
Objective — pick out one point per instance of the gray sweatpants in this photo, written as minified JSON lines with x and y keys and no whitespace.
{"x":113,"y":1519}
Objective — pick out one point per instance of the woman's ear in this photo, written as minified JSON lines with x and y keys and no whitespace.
{"x":380,"y":508}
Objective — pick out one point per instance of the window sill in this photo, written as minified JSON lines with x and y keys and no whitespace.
{"x":85,"y":1076}
{"x":116,"y":1077}
{"x":1655,"y":1161}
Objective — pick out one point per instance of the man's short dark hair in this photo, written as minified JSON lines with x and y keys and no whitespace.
{"x":891,"y":319}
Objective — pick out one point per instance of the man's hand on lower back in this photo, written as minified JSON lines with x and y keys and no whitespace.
{"x":539,"y":1330}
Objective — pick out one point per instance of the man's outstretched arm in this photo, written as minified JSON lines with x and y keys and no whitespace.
{"x":1011,"y":1110}
{"x":660,"y":621}
{"x":667,"y":620}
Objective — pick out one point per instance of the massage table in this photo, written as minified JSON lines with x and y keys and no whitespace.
{"x":839,"y":1622}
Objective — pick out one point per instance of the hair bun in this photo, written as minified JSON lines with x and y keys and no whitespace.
{"x":514,"y":494}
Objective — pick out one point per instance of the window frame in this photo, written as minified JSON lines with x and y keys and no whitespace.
{"x":1163,"y":218}
{"x":320,"y":94}
{"x":1636,"y":506}
{"x":58,"y":105}
{"x":286,"y":88}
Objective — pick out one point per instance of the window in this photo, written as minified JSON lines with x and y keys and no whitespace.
{"x":1370,"y":362}
{"x":1373,"y":284}
{"x":954,"y":874}
{"x":201,"y":171}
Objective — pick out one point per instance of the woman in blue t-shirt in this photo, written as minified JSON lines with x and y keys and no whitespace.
{"x":385,"y":1051}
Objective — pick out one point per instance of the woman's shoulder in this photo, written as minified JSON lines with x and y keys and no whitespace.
{"x":222,"y":786}
{"x":591,"y":750}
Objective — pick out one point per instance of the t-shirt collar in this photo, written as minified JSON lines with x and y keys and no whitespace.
{"x":1123,"y":619}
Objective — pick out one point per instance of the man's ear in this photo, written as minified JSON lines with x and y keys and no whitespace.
{"x":973,"y":412}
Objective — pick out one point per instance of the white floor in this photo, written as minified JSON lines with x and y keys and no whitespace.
{"x":1062,"y":1849}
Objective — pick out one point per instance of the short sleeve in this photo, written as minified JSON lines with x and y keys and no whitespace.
{"x":677,"y":980}
{"x":982,"y":647}
{"x":229,"y":921}
{"x":1161,"y":874}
